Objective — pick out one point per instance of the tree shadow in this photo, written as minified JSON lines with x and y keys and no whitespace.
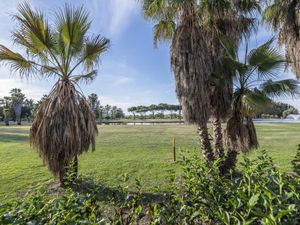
{"x":7,"y":137}
{"x":106,"y":193}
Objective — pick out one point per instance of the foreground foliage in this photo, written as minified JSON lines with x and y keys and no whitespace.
{"x":258,"y":194}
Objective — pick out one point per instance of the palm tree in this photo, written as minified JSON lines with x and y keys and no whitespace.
{"x":114,"y":110}
{"x":94,"y":103}
{"x":256,"y":83}
{"x":195,"y":28}
{"x":65,"y":125}
{"x":284,"y":17}
{"x":17,"y":98}
{"x":6,"y":114}
{"x":107,"y":110}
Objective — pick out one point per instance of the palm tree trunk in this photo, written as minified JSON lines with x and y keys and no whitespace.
{"x":62,"y":176}
{"x":18,"y":118}
{"x":230,"y":161}
{"x":205,"y":143}
{"x":218,"y":137}
{"x":75,"y":165}
{"x":6,"y":121}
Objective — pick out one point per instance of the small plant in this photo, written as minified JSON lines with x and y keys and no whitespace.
{"x":296,"y":162}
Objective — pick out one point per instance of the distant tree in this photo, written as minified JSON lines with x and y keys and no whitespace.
{"x":101,"y":112}
{"x":114,"y":110}
{"x":133,"y":111}
{"x":6,"y":113}
{"x":289,"y":111}
{"x":142,"y":110}
{"x":94,"y":103}
{"x":276,"y":109}
{"x":119,"y":113}
{"x":107,"y":112}
{"x":27,"y":110}
{"x":162,"y":107}
{"x":17,"y":98}
{"x":153,"y":108}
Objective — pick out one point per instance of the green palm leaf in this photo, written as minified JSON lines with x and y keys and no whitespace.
{"x":266,"y":59}
{"x":93,"y":49}
{"x":254,"y":101}
{"x":163,"y":31}
{"x":16,"y":61}
{"x":89,"y":77}
{"x":281,"y":88}
{"x":73,"y":23}
{"x":34,"y":27}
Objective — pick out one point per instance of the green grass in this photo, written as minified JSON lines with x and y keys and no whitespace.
{"x":140,"y":151}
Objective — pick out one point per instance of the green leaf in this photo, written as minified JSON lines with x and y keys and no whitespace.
{"x":253,"y":200}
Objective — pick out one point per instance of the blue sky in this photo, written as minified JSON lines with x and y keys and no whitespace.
{"x":132,"y":72}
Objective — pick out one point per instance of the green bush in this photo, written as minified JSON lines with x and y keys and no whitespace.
{"x":258,"y":194}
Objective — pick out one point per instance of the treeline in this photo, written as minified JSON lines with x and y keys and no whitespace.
{"x":155,"y":111}
{"x":106,"y":112}
{"x":17,"y":107}
{"x":277,"y":110}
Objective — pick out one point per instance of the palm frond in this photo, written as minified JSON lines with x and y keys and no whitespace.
{"x":163,"y":30}
{"x":247,"y":6}
{"x":72,"y":24}
{"x":89,"y":77}
{"x":34,"y":27}
{"x":273,"y":14}
{"x":267,"y":60}
{"x":282,"y":88}
{"x":253,"y":101}
{"x":93,"y":49}
{"x":154,"y":9}
{"x":16,"y":61}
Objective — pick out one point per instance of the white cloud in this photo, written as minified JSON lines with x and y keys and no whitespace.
{"x":32,"y":89}
{"x":114,"y":15}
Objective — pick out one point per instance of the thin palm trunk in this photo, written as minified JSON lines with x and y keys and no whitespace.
{"x":6,"y":121}
{"x":218,"y":137}
{"x":230,"y":161}
{"x":207,"y":150}
{"x":18,"y":112}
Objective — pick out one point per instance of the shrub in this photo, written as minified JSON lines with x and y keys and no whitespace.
{"x":258,"y":194}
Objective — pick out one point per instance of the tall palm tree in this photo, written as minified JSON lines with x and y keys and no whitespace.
{"x":284,"y":18}
{"x":232,"y":20}
{"x":17,"y":98}
{"x":64,"y":126}
{"x":256,"y":83}
{"x":195,"y":28}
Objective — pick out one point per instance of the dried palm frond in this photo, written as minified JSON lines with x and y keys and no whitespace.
{"x":64,"y":127}
{"x":253,"y":141}
{"x":192,"y":65}
{"x":284,"y":17}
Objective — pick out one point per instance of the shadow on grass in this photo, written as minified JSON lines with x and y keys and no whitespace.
{"x":7,"y":137}
{"x":105,"y":193}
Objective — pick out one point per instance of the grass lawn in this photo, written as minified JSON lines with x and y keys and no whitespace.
{"x":140,"y":151}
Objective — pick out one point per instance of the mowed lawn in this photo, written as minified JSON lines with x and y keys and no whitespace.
{"x":140,"y":151}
